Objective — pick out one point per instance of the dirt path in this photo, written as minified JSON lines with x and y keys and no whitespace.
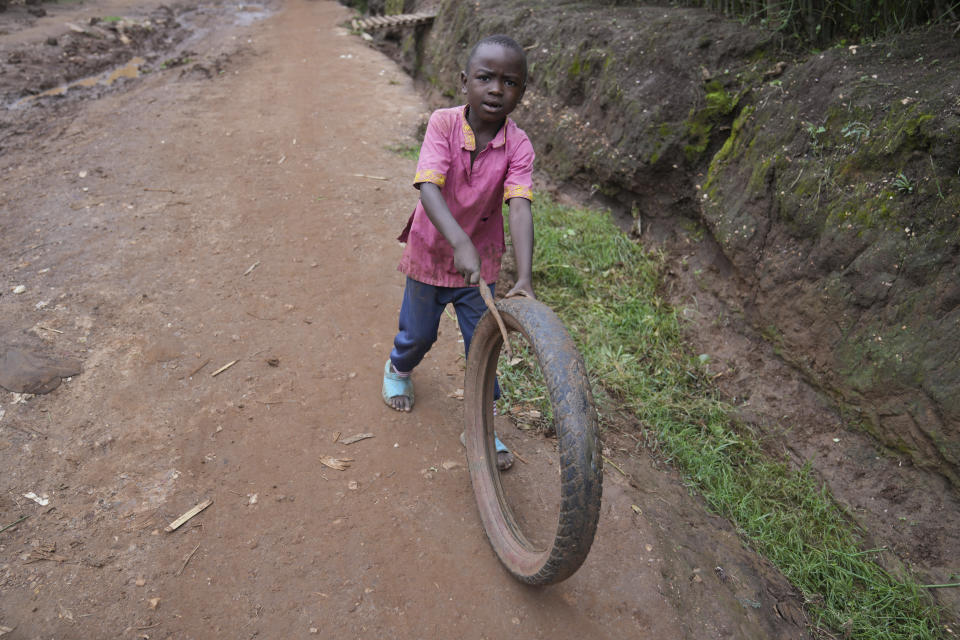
{"x":188,"y":220}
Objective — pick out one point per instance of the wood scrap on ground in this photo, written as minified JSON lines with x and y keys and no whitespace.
{"x":223,"y":368}
{"x":188,"y":514}
{"x":340,"y":464}
{"x":45,"y":552}
{"x":356,"y":438}
{"x":15,"y":523}
{"x":187,"y":559}
{"x":197,"y":370}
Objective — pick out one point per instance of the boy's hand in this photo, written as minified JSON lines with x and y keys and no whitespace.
{"x":522,"y":288}
{"x":466,"y":260}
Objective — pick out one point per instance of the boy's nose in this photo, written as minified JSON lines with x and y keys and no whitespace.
{"x":496,"y":87}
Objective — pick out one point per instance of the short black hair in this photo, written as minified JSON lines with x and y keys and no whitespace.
{"x":501,"y":40}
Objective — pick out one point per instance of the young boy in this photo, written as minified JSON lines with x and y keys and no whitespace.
{"x":473,"y":158}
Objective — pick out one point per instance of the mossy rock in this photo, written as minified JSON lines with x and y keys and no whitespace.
{"x":857,"y":178}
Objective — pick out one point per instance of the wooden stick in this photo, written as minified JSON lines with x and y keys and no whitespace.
{"x":363,"y":175}
{"x":340,"y":464}
{"x":223,"y":368}
{"x":491,"y":305}
{"x":356,"y":438}
{"x":251,"y":268}
{"x":40,"y":326}
{"x":519,"y":457}
{"x":160,"y":190}
{"x":188,"y":514}
{"x":14,"y":523}
{"x":187,"y":559}
{"x":614,"y":465}
{"x":197,"y":370}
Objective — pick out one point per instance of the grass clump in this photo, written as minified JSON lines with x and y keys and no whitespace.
{"x":405,"y":150}
{"x":523,"y":392}
{"x":605,"y":288}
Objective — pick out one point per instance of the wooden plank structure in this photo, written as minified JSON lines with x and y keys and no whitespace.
{"x":400,"y":20}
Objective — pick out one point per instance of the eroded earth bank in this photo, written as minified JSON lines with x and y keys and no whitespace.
{"x":236,"y":202}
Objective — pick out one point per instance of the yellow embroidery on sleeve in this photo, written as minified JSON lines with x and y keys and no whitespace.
{"x":517,"y":191}
{"x":430,"y":175}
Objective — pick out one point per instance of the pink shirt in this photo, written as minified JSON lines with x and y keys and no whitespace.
{"x":475,"y":195}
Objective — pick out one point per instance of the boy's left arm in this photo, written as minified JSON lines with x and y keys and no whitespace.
{"x":521,"y":233}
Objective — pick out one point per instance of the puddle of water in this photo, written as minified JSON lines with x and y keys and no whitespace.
{"x":107,"y":78}
{"x":242,"y":15}
{"x":247,"y":14}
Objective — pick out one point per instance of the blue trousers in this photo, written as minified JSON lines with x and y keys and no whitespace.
{"x":420,"y":314}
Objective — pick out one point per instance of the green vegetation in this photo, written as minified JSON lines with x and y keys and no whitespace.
{"x":823,"y":23}
{"x":408,"y":151}
{"x":903,"y":184}
{"x":865,"y":172}
{"x":524,"y":394}
{"x":111,"y":19}
{"x":605,"y":288}
{"x":719,"y":105}
{"x":175,"y":62}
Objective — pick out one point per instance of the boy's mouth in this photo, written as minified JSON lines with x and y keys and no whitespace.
{"x":491,"y":106}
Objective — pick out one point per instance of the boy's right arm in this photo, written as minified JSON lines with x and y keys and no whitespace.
{"x":466,"y":259}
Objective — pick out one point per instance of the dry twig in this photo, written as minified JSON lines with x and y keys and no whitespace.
{"x":187,"y":559}
{"x":356,"y":438}
{"x":188,"y":514}
{"x":197,"y":370}
{"x":518,"y":456}
{"x":223,"y":368}
{"x":614,"y":465}
{"x":340,"y":464}
{"x":15,"y":523}
{"x":40,"y":326}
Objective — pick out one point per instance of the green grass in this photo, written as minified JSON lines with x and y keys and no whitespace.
{"x":523,"y":392}
{"x":605,"y":288}
{"x":409,"y":151}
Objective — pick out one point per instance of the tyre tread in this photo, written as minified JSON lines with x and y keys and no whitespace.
{"x":581,"y":468}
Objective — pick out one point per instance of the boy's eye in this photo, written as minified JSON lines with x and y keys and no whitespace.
{"x":483,"y":77}
{"x":511,"y":83}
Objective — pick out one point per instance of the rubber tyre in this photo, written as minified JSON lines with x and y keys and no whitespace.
{"x":575,"y":420}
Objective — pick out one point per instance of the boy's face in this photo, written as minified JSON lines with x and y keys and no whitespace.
{"x":494,"y":82}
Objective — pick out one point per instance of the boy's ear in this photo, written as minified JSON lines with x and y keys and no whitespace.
{"x":463,"y":82}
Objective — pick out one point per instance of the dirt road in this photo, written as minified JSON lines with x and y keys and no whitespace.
{"x":185,"y":222}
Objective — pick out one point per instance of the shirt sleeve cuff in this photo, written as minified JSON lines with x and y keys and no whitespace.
{"x":430,"y":175}
{"x":517,"y":191}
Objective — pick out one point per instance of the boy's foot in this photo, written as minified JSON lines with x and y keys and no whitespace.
{"x":504,"y":457}
{"x":397,"y":390}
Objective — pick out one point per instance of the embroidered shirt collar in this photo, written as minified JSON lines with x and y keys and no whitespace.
{"x":470,"y":140}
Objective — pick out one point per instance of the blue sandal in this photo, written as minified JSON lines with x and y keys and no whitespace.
{"x":395,"y":386}
{"x":504,"y":457}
